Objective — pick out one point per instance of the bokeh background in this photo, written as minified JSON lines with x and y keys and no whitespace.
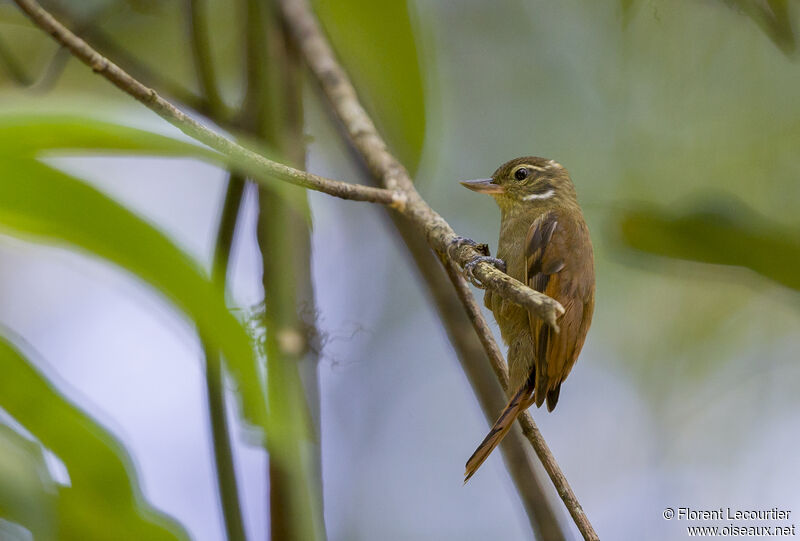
{"x":680,"y":125}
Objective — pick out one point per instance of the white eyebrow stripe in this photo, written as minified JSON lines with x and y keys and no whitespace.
{"x":538,"y":168}
{"x":546,"y":195}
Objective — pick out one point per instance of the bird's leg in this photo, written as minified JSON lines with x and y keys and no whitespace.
{"x":469,"y":268}
{"x":458,"y":242}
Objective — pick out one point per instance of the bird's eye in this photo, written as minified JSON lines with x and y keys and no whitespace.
{"x":521,"y":173}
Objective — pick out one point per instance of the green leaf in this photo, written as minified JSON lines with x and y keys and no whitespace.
{"x":37,"y":134}
{"x":104,"y":500}
{"x":375,"y":42}
{"x":773,"y":18}
{"x":40,"y":201}
{"x":723,"y":232}
{"x":628,"y":9}
{"x":25,"y":484}
{"x":31,"y":134}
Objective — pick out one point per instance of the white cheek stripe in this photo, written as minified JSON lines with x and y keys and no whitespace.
{"x":546,"y":195}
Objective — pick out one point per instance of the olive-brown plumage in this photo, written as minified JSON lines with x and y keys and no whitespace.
{"x":545,"y":243}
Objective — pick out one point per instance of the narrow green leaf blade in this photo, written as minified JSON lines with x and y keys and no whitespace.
{"x":773,"y":17}
{"x":722,"y":233}
{"x":38,"y":200}
{"x":33,"y":134}
{"x":25,"y":484}
{"x":104,"y":500}
{"x":375,"y":42}
{"x":38,"y":134}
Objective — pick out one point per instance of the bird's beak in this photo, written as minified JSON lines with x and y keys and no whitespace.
{"x":483,"y":185}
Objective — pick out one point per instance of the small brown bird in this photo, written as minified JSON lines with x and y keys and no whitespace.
{"x":544,"y":242}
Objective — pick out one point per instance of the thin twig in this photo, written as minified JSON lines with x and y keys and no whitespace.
{"x":391,"y":173}
{"x":90,"y":29}
{"x":260,"y":167}
{"x":398,"y":191}
{"x":274,"y":114}
{"x":517,"y":451}
{"x":481,"y":327}
{"x":529,"y":427}
{"x":472,"y":353}
{"x":12,"y":66}
{"x":201,"y":51}
{"x":215,"y":375}
{"x":384,"y":166}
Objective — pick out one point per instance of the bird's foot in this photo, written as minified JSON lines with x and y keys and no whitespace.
{"x":458,"y":242}
{"x":469,"y":268}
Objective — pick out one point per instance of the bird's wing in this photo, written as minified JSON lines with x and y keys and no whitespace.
{"x":554,"y":256}
{"x":559,"y":260}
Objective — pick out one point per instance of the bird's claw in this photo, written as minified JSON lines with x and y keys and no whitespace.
{"x":458,"y":242}
{"x":469,"y":268}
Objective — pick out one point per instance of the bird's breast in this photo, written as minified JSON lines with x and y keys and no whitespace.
{"x":510,"y":247}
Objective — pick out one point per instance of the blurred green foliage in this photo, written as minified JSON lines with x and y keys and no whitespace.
{"x":31,"y":134}
{"x":677,"y":97}
{"x":773,"y":17}
{"x":102,"y":500}
{"x":26,"y":490}
{"x":58,"y":134}
{"x":722,"y":231}
{"x":375,"y":42}
{"x":40,"y":201}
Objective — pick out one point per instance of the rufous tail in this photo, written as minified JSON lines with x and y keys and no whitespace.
{"x":518,"y":403}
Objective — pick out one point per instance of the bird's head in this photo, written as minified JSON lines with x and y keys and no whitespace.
{"x":527,"y":182}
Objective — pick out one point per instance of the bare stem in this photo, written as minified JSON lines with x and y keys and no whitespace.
{"x":90,"y":28}
{"x":12,"y":66}
{"x":201,"y":50}
{"x":529,"y":427}
{"x":389,"y":171}
{"x":273,"y":103}
{"x":473,"y":355}
{"x":260,"y":167}
{"x":398,"y":191}
{"x":364,"y":136}
{"x":215,"y":375}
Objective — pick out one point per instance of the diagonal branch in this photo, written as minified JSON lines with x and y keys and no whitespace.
{"x":273,"y":102}
{"x":201,"y":51}
{"x":255,"y":164}
{"x":398,"y":192}
{"x":478,"y":354}
{"x":12,"y":66}
{"x":89,"y":27}
{"x":215,"y":374}
{"x":473,"y":355}
{"x":385,"y":167}
{"x":529,"y":427}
